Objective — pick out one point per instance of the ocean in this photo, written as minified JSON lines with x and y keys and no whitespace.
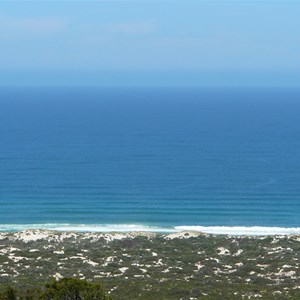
{"x":150,"y":159}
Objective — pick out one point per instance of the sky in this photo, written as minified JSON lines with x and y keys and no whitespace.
{"x":172,"y":43}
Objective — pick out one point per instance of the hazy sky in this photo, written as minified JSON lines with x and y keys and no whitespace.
{"x":150,"y":42}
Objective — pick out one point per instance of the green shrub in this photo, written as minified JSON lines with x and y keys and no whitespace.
{"x":74,"y":289}
{"x":64,"y":289}
{"x":9,"y":294}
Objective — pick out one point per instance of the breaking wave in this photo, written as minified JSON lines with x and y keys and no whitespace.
{"x":231,"y":230}
{"x":87,"y":227}
{"x":241,"y":230}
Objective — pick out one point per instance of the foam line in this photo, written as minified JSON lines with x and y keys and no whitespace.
{"x":241,"y":230}
{"x":234,"y":230}
{"x":87,"y":227}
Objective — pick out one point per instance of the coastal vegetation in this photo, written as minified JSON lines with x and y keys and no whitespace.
{"x":151,"y":266}
{"x":63,"y":289}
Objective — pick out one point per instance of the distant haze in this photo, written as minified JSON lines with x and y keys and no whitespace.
{"x":150,"y":43}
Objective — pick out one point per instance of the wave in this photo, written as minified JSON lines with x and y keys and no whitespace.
{"x":230,"y":230}
{"x":241,"y":230}
{"x":88,"y":227}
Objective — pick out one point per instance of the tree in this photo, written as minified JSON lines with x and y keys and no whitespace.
{"x":74,"y":289}
{"x":9,"y":293}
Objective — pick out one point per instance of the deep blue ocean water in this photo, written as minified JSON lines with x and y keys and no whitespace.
{"x":159,"y":157}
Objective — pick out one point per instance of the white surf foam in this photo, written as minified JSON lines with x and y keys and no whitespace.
{"x":114,"y":228}
{"x":241,"y":230}
{"x":234,"y":230}
{"x":88,"y":227}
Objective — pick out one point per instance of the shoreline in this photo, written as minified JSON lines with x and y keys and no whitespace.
{"x":33,"y":235}
{"x":133,"y":228}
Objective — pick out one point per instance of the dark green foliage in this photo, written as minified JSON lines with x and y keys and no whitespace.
{"x":74,"y":289}
{"x":64,"y":289}
{"x":9,"y":294}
